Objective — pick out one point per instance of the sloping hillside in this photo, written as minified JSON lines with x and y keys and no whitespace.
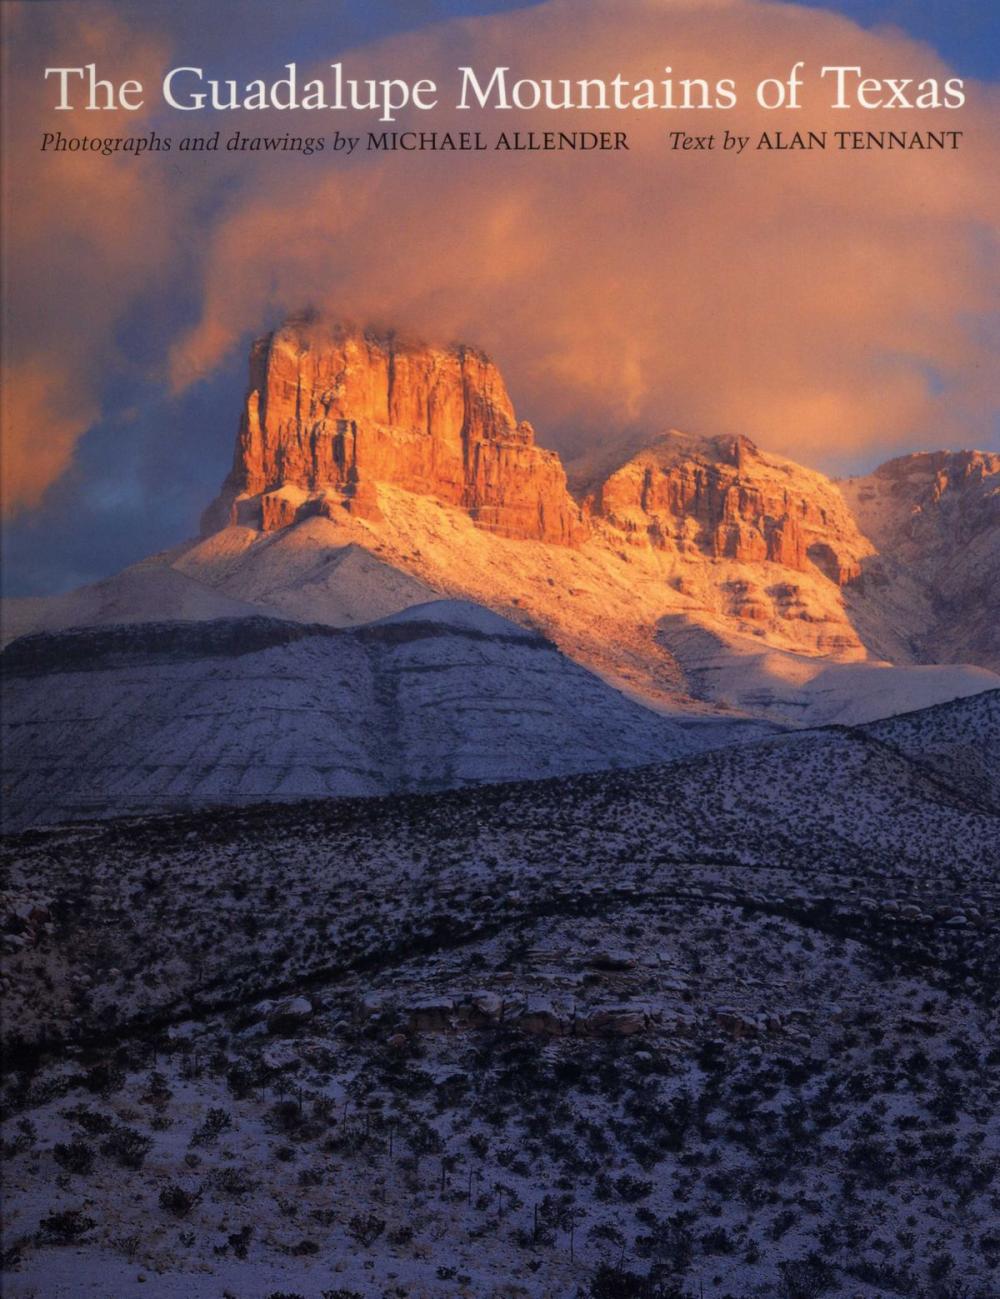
{"x":172,"y":715}
{"x":831,"y":803}
{"x":958,"y":742}
{"x":729,"y":1024}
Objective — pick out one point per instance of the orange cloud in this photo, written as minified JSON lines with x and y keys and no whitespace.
{"x":83,"y":234}
{"x":827,"y":304}
{"x":820,"y":302}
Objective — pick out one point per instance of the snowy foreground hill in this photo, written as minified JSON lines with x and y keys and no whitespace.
{"x":105,"y":720}
{"x":726,"y":1026}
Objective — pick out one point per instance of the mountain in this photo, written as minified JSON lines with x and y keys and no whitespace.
{"x":935,"y":521}
{"x":103,"y":721}
{"x":332,"y":411}
{"x":724,"y":499}
{"x":698,"y":575}
{"x":151,"y":591}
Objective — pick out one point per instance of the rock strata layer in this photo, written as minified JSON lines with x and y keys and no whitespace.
{"x":724,"y":499}
{"x":331,"y":412}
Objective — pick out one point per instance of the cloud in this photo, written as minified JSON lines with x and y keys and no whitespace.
{"x":831,"y":305}
{"x":84,"y":234}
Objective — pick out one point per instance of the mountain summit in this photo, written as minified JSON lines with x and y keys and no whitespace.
{"x":331,"y":411}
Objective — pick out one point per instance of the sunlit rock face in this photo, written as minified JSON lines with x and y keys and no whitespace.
{"x":722,"y":498}
{"x":687,"y":565}
{"x":332,"y":411}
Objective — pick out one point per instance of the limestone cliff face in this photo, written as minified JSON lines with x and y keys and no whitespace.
{"x":935,"y":518}
{"x":331,"y":412}
{"x":343,"y":423}
{"x":721,"y":498}
{"x":924,"y":507}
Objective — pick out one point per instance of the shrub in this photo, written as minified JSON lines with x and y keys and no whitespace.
{"x":632,"y":1189}
{"x":612,"y":1283}
{"x":232,"y":1181}
{"x":805,"y":1278}
{"x":240,"y":1241}
{"x":128,"y":1245}
{"x":75,"y":1156}
{"x":27,"y":1135}
{"x":64,"y":1227}
{"x":215,"y":1122}
{"x":90,"y":1120}
{"x":717,"y":1241}
{"x":104,"y":1079}
{"x":366,"y":1228}
{"x":178,"y":1201}
{"x":127,"y":1147}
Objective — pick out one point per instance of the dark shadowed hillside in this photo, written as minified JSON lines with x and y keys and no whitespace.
{"x":729,"y":1024}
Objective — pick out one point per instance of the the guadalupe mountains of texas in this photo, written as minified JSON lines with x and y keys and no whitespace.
{"x":398,"y":590}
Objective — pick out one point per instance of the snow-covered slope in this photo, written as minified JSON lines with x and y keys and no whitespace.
{"x":151,"y":591}
{"x":313,"y":573}
{"x":796,"y":690}
{"x":170,"y":715}
{"x":958,"y":742}
{"x":303,"y":573}
{"x":730,"y":1023}
{"x":935,"y":519}
{"x":595,"y":603}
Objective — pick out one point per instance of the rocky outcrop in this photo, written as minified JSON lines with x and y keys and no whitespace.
{"x":923,"y":507}
{"x":724,"y":499}
{"x":935,"y":519}
{"x":333,"y":411}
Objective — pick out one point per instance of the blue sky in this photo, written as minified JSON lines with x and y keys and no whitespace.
{"x":966,"y":32}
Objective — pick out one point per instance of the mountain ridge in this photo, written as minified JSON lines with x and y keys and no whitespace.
{"x":695,"y":574}
{"x":103,"y":721}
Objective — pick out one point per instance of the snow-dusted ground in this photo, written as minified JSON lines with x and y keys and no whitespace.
{"x":152,"y":591}
{"x":730,"y":1021}
{"x":794,"y":690}
{"x":447,"y":693}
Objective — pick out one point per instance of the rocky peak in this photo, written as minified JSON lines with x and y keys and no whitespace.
{"x":935,"y":518}
{"x":331,"y":411}
{"x":928,"y":501}
{"x":723,"y":498}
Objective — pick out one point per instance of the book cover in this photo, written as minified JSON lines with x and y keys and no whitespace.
{"x":501,"y":649}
